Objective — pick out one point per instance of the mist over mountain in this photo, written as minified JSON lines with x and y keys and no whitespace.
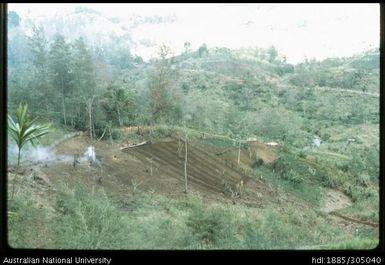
{"x":294,"y":29}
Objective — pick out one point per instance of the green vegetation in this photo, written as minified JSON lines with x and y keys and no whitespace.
{"x":87,"y":219}
{"x":217,"y":96}
{"x":28,"y":224}
{"x":354,"y":244}
{"x":293,"y":182}
{"x":220,"y":142}
{"x":25,"y":131}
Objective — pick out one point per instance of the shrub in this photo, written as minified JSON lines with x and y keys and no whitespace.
{"x":88,"y":220}
{"x":28,"y":225}
{"x":212,"y":227}
{"x":302,"y":154}
{"x":116,"y":135}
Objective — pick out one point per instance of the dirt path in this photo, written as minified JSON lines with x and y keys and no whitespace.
{"x":336,"y":200}
{"x":352,"y":220}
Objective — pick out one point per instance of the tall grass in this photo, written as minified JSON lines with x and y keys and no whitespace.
{"x":28,"y":224}
{"x":293,"y":183}
{"x":87,"y":218}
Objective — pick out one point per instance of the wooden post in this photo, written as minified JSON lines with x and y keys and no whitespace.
{"x":151,"y":167}
{"x":90,"y":117}
{"x":239,"y":152}
{"x":185,"y":164}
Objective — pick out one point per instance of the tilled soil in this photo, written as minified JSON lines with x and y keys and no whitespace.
{"x":208,"y":176}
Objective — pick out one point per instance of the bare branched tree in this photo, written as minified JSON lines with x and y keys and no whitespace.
{"x":135,"y":184}
{"x":185,"y":163}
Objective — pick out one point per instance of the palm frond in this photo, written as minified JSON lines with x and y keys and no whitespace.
{"x":25,"y":131}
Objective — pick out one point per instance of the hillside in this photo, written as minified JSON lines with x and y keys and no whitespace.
{"x":279,"y":155}
{"x":126,"y":175}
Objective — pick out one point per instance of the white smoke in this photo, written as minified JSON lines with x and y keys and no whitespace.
{"x":41,"y":154}
{"x":35,"y":154}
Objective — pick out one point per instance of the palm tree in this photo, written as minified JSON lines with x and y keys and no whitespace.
{"x":25,"y":131}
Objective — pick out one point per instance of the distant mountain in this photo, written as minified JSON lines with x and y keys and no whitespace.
{"x":97,"y":30}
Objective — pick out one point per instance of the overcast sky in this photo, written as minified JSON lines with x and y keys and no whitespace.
{"x":297,"y":30}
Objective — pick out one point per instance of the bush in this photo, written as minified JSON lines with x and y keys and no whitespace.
{"x":292,"y":177}
{"x":164,"y":131}
{"x":88,"y":220}
{"x":28,"y":225}
{"x":116,"y":135}
{"x":258,"y":163}
{"x":302,"y":154}
{"x":328,"y":181}
{"x":364,"y":209}
{"x":344,"y":166}
{"x":211,"y":227}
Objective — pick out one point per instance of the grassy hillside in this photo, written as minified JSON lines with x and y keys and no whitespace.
{"x":89,"y":219}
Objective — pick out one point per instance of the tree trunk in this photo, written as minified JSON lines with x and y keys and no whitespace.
{"x":119,"y":117}
{"x":63,"y":101}
{"x":93,"y":130}
{"x":185,"y":164}
{"x":104,"y":132}
{"x":109,"y":130}
{"x":239,"y":152}
{"x":151,"y":167}
{"x":151,"y":130}
{"x":14,"y":178}
{"x":18,"y":157}
{"x":90,"y":116}
{"x":64,"y":111}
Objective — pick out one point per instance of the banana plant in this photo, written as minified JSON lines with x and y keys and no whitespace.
{"x":24,"y":130}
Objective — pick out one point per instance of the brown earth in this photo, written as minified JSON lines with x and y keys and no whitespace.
{"x":121,"y":170}
{"x":335,"y":200}
{"x":254,"y":152}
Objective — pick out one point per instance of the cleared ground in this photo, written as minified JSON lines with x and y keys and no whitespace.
{"x":210,"y":176}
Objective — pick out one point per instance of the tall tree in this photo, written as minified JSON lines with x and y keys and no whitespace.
{"x":20,"y":81}
{"x":38,"y":45}
{"x":60,"y":66}
{"x":187,"y":46}
{"x":117,"y":102}
{"x":13,"y":19}
{"x":272,"y":53}
{"x":83,"y":84}
{"x":203,"y":50}
{"x":162,"y":86}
